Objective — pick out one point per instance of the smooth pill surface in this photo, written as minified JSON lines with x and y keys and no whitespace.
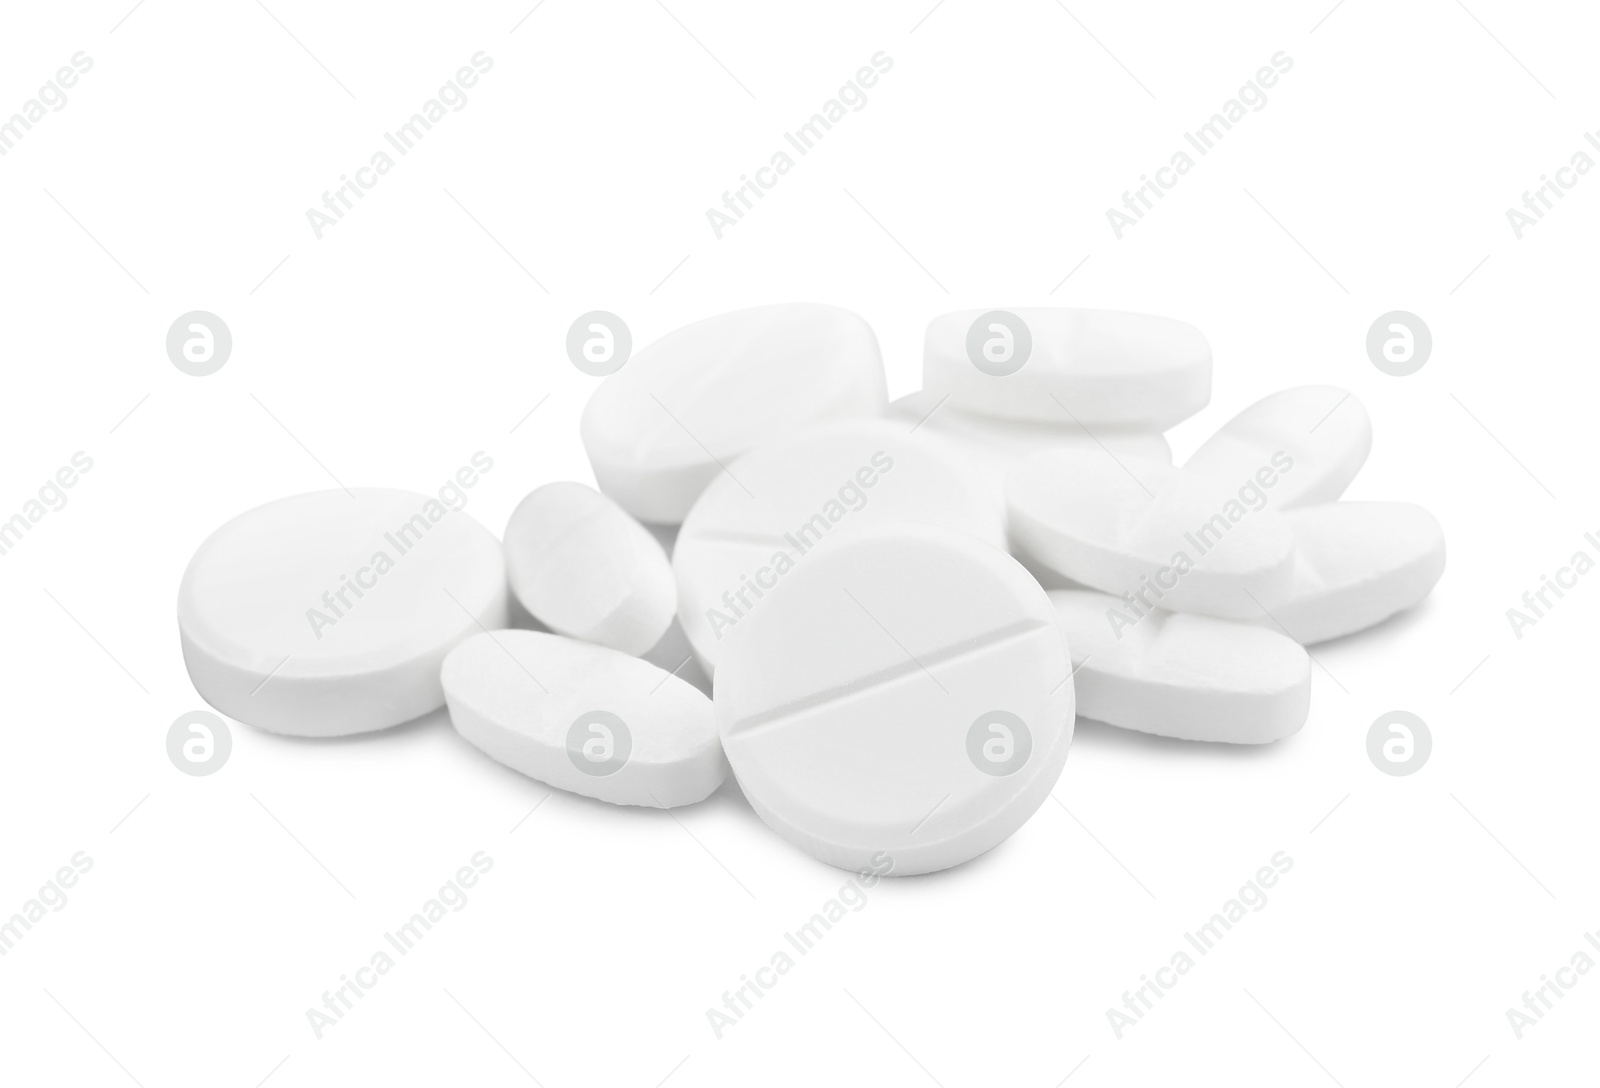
{"x":584,"y":718}
{"x":1177,"y":675}
{"x":583,"y":567}
{"x":903,"y":697}
{"x":329,"y":613}
{"x":1356,"y":564}
{"x":992,"y":447}
{"x":1093,"y":366}
{"x":1167,"y":538}
{"x":763,"y":518}
{"x":661,"y":428}
{"x":1323,"y":430}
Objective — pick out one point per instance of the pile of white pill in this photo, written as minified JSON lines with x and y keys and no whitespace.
{"x":894,"y":610}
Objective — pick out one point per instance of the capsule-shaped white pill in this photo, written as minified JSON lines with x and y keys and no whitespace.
{"x":1160,"y":536}
{"x":584,"y":718}
{"x":582,"y":567}
{"x":1323,"y":430}
{"x":1356,"y":564}
{"x":1186,"y":676}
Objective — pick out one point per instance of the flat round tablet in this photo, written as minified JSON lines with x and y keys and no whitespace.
{"x":903,"y":696}
{"x":755,"y":524}
{"x":582,"y":567}
{"x":1099,"y":366}
{"x":330,"y":613}
{"x":1165,"y":537}
{"x":584,"y":718}
{"x":1356,"y":564}
{"x":661,"y":428}
{"x":992,"y":447}
{"x":1178,"y":675}
{"x":1313,"y":438}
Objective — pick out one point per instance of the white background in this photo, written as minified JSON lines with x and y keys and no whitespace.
{"x":430,"y":321}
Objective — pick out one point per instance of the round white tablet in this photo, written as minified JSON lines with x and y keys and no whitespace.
{"x":1162,"y":536}
{"x":584,"y":718}
{"x":582,"y":567}
{"x":762,"y":519}
{"x":902,"y":697}
{"x":1324,"y":432}
{"x":330,"y":613}
{"x":1178,"y":675}
{"x":661,"y":428}
{"x":1050,"y":363}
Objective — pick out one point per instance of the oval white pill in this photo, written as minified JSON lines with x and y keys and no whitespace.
{"x":584,"y":718}
{"x":1166,"y":537}
{"x":1177,"y":675}
{"x":761,"y":519}
{"x":661,"y":428}
{"x":903,"y":696}
{"x":992,"y":447}
{"x":330,"y":613}
{"x":1323,"y":430}
{"x":582,"y":567}
{"x":1097,"y":366}
{"x":1356,"y":564}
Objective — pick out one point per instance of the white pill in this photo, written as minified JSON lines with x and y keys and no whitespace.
{"x":992,"y":447}
{"x":1163,"y":536}
{"x":1185,"y":676}
{"x":330,"y":613}
{"x":904,"y":694}
{"x":761,"y":519}
{"x":582,"y":567}
{"x":661,"y":428}
{"x":1324,"y":430}
{"x":1357,"y":564}
{"x":584,"y":718}
{"x":1097,"y":366}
